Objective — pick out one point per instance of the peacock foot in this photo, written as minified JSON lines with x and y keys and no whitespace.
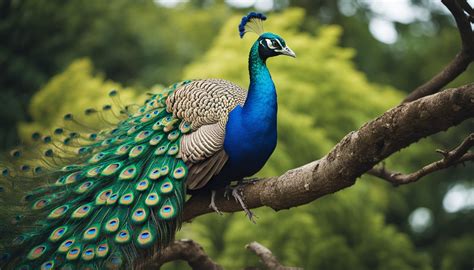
{"x":238,"y":196}
{"x":212,"y":205}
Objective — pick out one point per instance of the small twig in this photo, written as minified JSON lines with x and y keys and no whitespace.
{"x":452,"y":158}
{"x":186,"y":250}
{"x":461,"y":61}
{"x":267,"y":258}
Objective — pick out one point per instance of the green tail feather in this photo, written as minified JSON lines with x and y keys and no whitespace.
{"x":111,"y":193}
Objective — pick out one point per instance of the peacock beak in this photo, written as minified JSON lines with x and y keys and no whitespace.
{"x":288,"y":51}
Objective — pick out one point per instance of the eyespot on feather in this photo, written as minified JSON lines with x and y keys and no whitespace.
{"x":142,"y":185}
{"x":152,"y":199}
{"x":122,"y":150}
{"x":112,"y":199}
{"x":93,"y":172}
{"x":84,"y":187}
{"x":166,"y":187}
{"x":91,"y":233}
{"x":111,"y":169}
{"x":102,"y":250}
{"x":37,"y":252}
{"x":167,"y":211}
{"x":180,"y":172}
{"x":40,"y":204}
{"x":173,"y":135}
{"x":102,"y":197}
{"x":112,"y":225}
{"x":88,"y":254}
{"x":155,"y":140}
{"x":137,"y":151}
{"x":58,"y":212}
{"x":140,"y":215}
{"x":126,"y":198}
{"x":97,"y":157}
{"x":154,"y":174}
{"x":122,"y":237}
{"x":146,"y":237}
{"x":73,"y":253}
{"x":47,"y":265}
{"x":58,"y":234}
{"x":128,"y":173}
{"x":82,"y":211}
{"x":66,"y":245}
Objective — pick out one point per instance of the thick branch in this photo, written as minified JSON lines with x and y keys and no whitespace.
{"x":267,"y":258}
{"x":357,"y":153}
{"x":186,"y":250}
{"x":456,"y":156}
{"x":461,"y":61}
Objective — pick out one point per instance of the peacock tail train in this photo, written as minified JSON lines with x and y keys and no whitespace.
{"x":111,"y":195}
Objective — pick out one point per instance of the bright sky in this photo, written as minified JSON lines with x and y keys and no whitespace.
{"x":458,"y":198}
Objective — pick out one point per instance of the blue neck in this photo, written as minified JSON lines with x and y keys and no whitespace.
{"x":251,"y":131}
{"x":261,"y":98}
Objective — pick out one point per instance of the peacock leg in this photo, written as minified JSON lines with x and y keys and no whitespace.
{"x":237,"y":194}
{"x":212,"y":205}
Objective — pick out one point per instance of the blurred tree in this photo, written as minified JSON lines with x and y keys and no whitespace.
{"x":409,"y":61}
{"x":73,"y":91}
{"x":133,"y":42}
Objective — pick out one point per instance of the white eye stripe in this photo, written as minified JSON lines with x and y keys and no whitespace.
{"x":269,"y":43}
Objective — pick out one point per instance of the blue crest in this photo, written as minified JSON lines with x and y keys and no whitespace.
{"x":253,"y":22}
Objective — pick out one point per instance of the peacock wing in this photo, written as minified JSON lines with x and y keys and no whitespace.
{"x":205,"y":105}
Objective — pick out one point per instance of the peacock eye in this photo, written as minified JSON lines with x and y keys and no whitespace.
{"x":271,"y":44}
{"x":275,"y":44}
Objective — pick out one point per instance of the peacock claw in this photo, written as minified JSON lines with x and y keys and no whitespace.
{"x":236,"y":193}
{"x":212,"y":205}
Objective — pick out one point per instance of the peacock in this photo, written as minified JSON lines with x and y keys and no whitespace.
{"x":116,"y":195}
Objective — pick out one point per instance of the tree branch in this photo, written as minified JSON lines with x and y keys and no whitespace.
{"x":267,"y":258}
{"x":191,"y":252}
{"x":456,"y":156}
{"x":353,"y":156}
{"x":186,"y":250}
{"x":461,"y":61}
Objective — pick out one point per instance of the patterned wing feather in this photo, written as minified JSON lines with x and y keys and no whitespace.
{"x":205,"y":105}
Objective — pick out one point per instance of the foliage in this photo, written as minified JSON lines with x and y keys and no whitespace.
{"x":73,"y":91}
{"x":132,"y":42}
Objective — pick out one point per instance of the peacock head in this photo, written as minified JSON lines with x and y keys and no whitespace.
{"x":269,"y":44}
